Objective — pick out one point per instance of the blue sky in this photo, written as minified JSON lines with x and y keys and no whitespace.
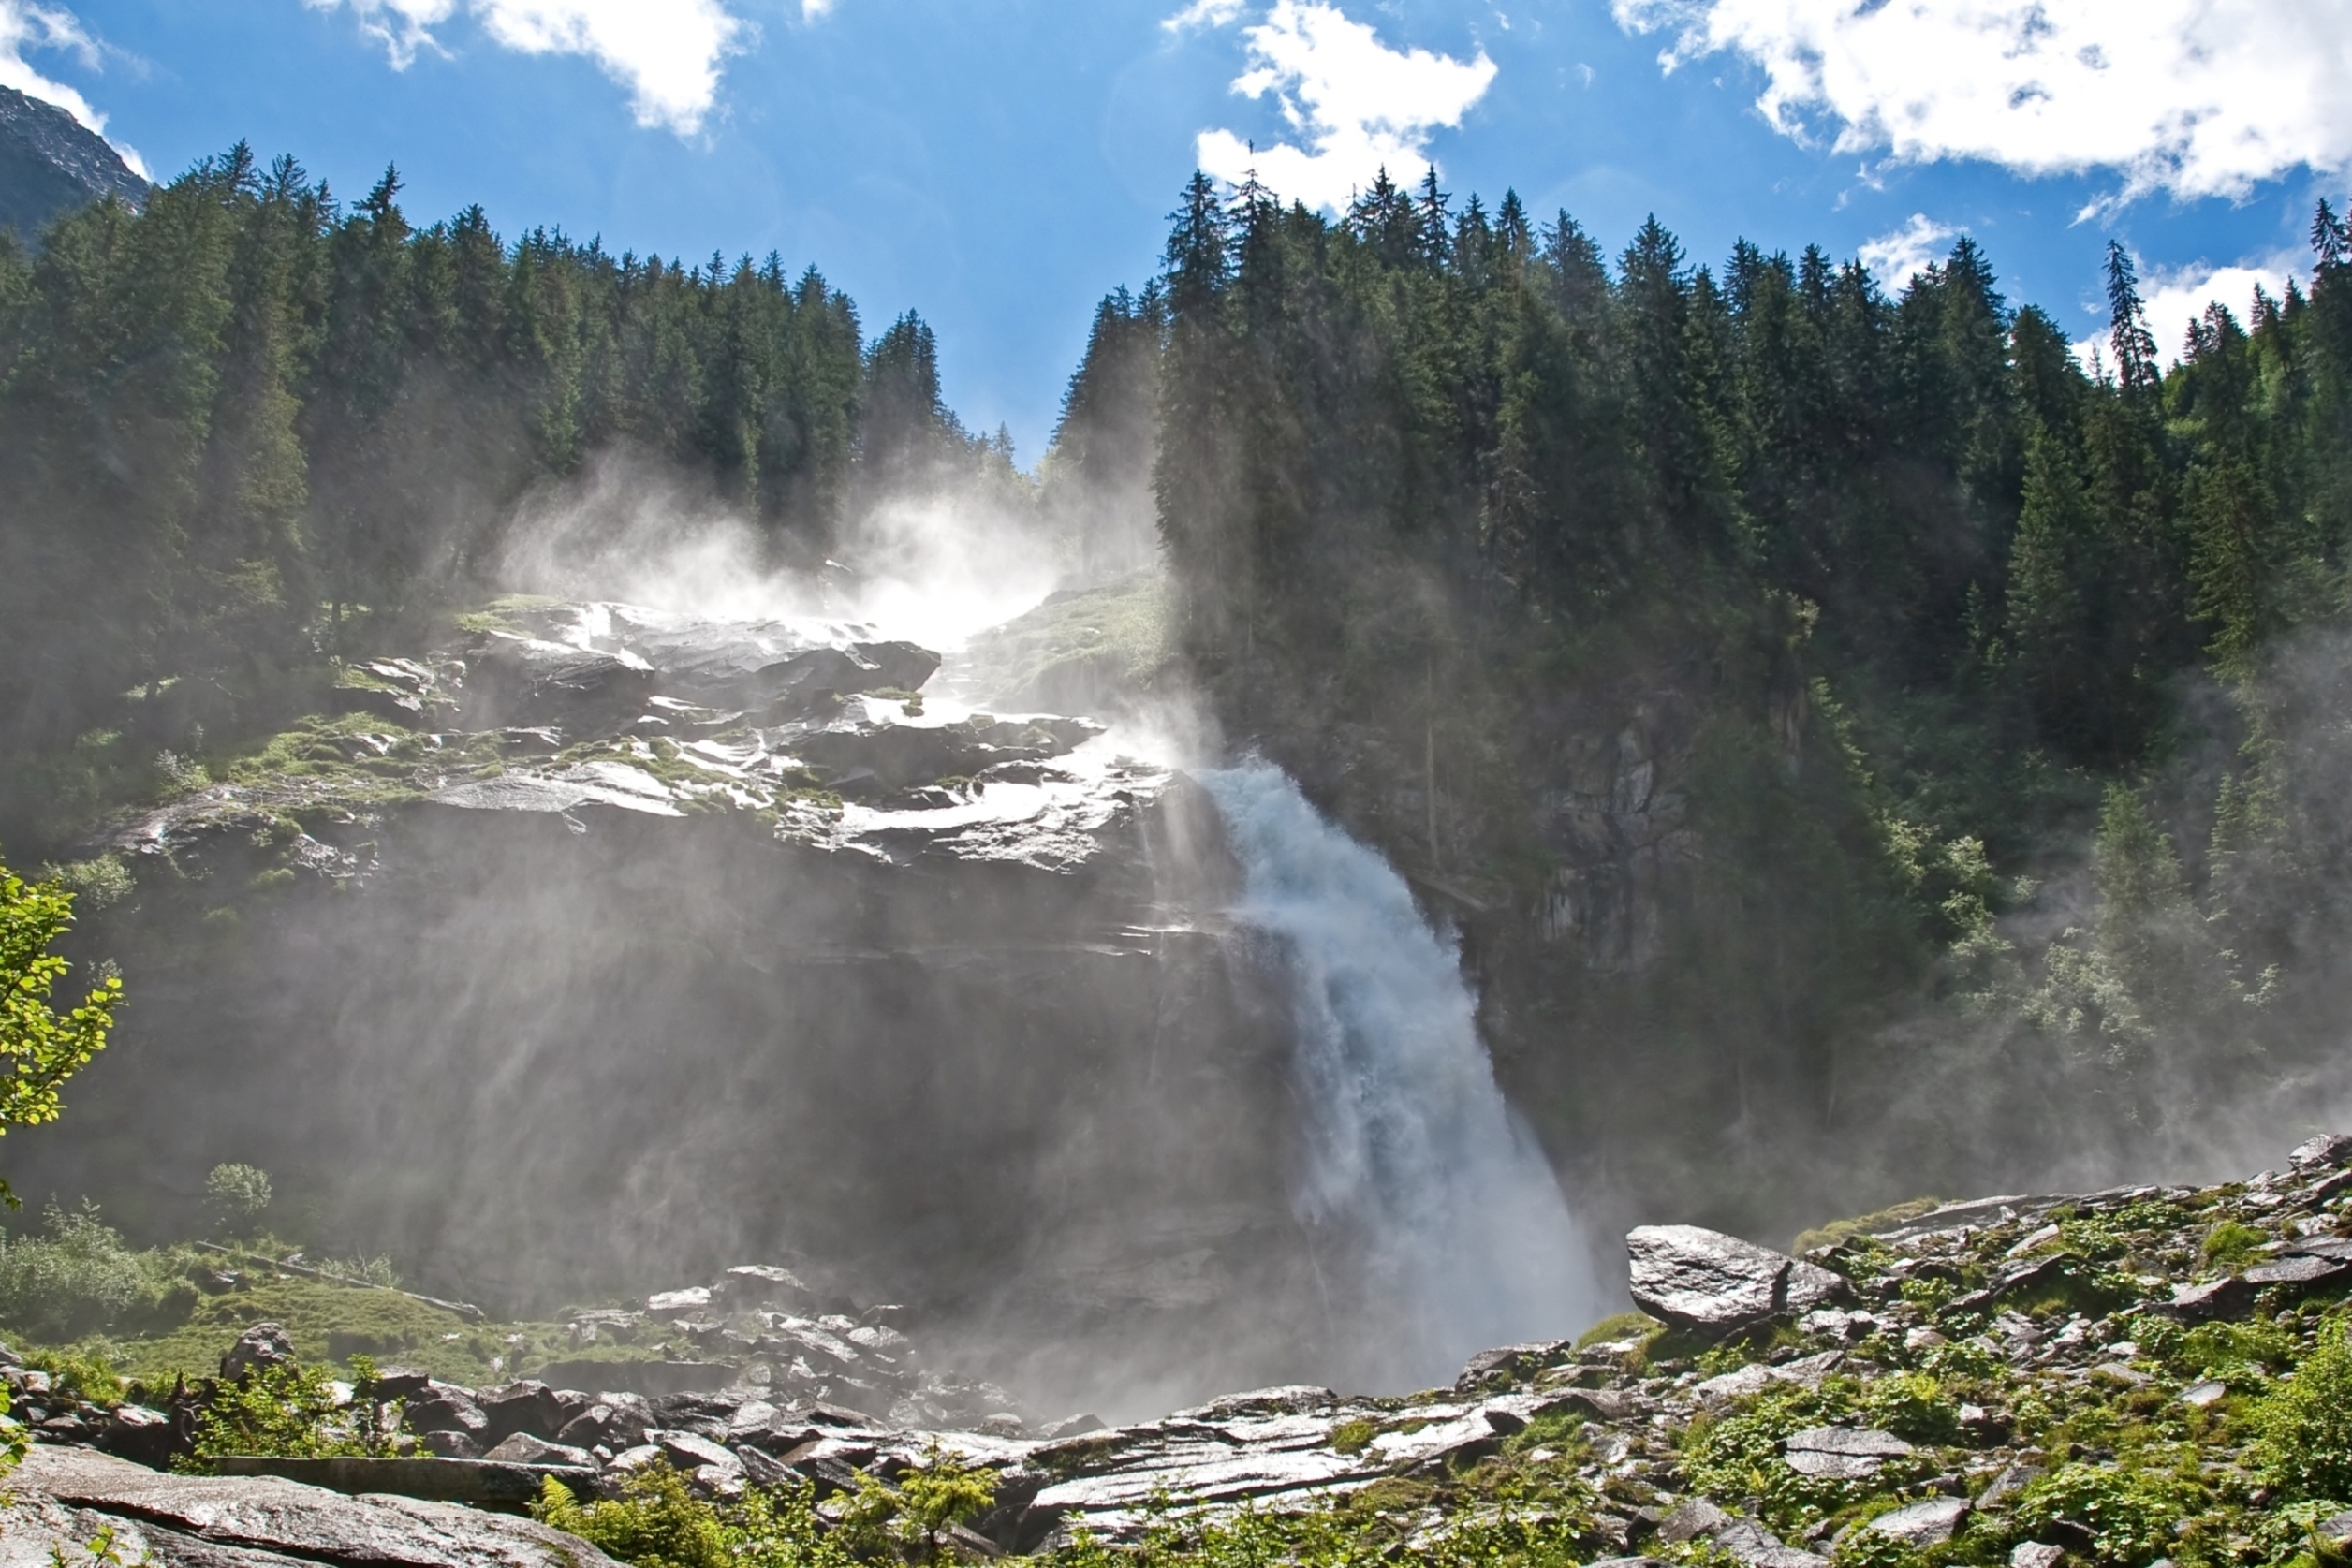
{"x":999,"y":166}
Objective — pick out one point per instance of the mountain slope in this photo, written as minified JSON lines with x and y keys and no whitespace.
{"x":51,"y":163}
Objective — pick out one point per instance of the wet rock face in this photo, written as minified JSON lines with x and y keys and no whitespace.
{"x":943,"y":996}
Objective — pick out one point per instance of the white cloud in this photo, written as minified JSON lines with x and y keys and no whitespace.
{"x":1894,"y":259}
{"x":27,"y":26}
{"x":813,"y":10}
{"x":666,"y":53}
{"x":1358,"y":105}
{"x":1203,"y":13}
{"x":2197,"y":97}
{"x":2174,"y":297}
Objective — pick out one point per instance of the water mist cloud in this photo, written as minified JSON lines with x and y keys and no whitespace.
{"x":933,"y":567}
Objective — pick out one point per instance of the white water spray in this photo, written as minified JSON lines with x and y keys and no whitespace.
{"x":1414,"y":1161}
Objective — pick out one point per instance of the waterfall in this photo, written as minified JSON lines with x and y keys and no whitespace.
{"x":1425,"y":1181}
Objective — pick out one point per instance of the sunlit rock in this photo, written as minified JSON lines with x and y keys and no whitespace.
{"x":1702,"y":1279}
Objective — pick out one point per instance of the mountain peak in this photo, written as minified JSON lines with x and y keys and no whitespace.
{"x":50,"y":162}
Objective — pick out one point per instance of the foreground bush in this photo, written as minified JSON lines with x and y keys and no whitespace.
{"x":2305,"y":1425}
{"x":294,"y":1412}
{"x":657,"y":1522}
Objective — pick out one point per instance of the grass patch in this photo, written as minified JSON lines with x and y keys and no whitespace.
{"x":1865,"y":1225}
{"x":1078,"y":647}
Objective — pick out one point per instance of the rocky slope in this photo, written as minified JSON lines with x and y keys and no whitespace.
{"x":50,"y":163}
{"x":2109,"y":1379}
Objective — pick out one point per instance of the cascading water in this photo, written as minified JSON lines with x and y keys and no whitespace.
{"x":1415,"y":1168}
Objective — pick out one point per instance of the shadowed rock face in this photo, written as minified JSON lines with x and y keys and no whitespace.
{"x":968,"y":1030}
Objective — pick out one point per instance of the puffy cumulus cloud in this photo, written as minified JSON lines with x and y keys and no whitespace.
{"x":2197,"y":97}
{"x":2174,"y":297}
{"x":25,"y":27}
{"x":666,"y":53}
{"x":1894,"y":259}
{"x":1358,"y":105}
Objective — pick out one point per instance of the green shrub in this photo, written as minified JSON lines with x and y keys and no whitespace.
{"x":2129,"y":1514}
{"x":76,"y":1277}
{"x":1737,"y":1456}
{"x":2303,"y":1426}
{"x":907,"y":1519}
{"x":657,"y":1522}
{"x":2236,"y":1351}
{"x":291,"y":1412}
{"x":2229,"y":1245}
{"x":1354,"y":1437}
{"x":87,"y":1376}
{"x":1913,"y":1406}
{"x":236,"y":1195}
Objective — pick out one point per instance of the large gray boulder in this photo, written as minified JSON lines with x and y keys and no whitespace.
{"x":1699,"y":1278}
{"x":67,"y":1496}
{"x":263,"y":1345}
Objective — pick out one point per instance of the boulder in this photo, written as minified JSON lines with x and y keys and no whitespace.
{"x":1703,"y":1279}
{"x":2008,"y":1486}
{"x":2231,"y":1297}
{"x":614,"y":1421}
{"x":2327,"y":1149}
{"x":399,"y":1382}
{"x":145,"y":1436}
{"x":263,"y":1345}
{"x":1841,"y":1453}
{"x":1509,"y":1364}
{"x":677,"y":1303}
{"x":2035,"y":1554}
{"x":520,"y":680}
{"x":444,"y":1407}
{"x":228,"y":1521}
{"x":1923,"y":1524}
{"x":523,"y":1448}
{"x":2299,"y":1276}
{"x":759,"y":1284}
{"x":688,"y":1452}
{"x":527,"y":1405}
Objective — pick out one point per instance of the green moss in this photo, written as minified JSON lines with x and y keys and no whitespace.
{"x":2230,"y":1246}
{"x":1089,"y":642}
{"x":1864,"y":1224}
{"x":511,"y":612}
{"x":1354,"y":1437}
{"x":1625,"y":1326}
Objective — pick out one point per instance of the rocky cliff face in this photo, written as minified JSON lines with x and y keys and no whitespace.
{"x":50,"y":163}
{"x":605,"y":947}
